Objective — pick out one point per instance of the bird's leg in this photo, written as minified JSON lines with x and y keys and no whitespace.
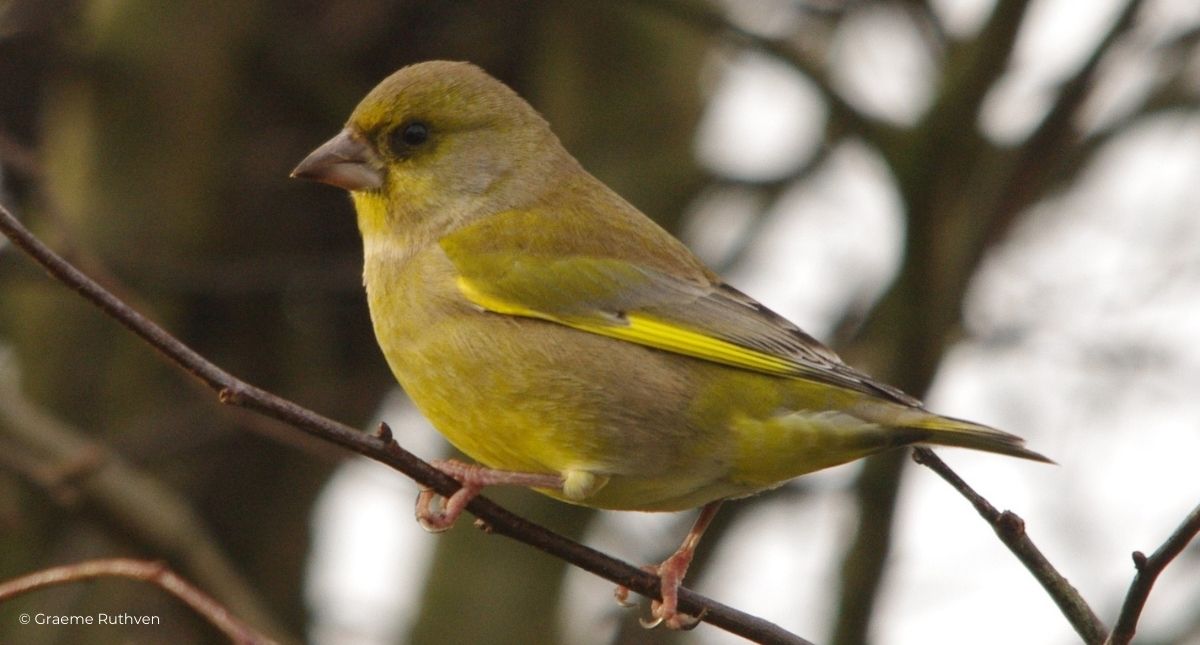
{"x":473,"y":479}
{"x":671,"y":573}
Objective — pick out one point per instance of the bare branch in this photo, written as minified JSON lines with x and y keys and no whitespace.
{"x":233,"y":391}
{"x":155,"y":573}
{"x":1010,"y":528}
{"x":1148,"y":569}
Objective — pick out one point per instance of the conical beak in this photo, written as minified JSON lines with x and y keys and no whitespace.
{"x":345,"y":161}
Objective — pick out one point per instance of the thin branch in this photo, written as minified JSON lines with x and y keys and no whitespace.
{"x":233,"y":391}
{"x":1011,"y":530}
{"x":1148,"y":569}
{"x":155,"y":573}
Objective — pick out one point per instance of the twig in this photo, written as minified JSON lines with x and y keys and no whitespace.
{"x":155,"y":573}
{"x":1010,"y":528}
{"x":1148,"y":569}
{"x":233,"y":391}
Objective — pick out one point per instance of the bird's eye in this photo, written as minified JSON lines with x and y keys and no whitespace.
{"x":408,"y":136}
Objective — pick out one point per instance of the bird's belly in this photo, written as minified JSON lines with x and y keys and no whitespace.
{"x":532,"y":396}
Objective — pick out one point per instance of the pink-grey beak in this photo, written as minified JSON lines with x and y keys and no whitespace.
{"x":345,"y":161}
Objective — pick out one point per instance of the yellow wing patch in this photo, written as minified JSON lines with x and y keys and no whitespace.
{"x":494,"y":304}
{"x":644,"y":330}
{"x":674,"y":338}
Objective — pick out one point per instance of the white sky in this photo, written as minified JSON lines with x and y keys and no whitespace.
{"x":1081,"y":338}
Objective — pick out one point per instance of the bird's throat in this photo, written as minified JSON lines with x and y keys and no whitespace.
{"x":372,"y":209}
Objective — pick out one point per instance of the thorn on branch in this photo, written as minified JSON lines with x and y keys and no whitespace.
{"x":1012,"y":525}
{"x":1139,"y":561}
{"x":233,"y":394}
{"x":383,"y":433}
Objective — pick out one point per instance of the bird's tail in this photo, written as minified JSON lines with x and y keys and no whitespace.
{"x":948,"y":431}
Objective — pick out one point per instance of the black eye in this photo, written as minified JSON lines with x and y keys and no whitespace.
{"x":408,"y":136}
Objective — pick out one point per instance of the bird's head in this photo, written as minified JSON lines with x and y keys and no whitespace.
{"x":434,"y":141}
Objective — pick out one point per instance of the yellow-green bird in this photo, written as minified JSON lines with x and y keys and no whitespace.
{"x":557,"y":335}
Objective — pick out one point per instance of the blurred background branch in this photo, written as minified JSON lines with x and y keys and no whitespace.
{"x":154,"y":573}
{"x":83,"y":475}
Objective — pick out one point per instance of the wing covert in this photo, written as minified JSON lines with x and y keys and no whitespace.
{"x":615,"y":297}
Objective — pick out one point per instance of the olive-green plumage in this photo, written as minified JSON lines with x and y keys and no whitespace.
{"x":545,"y":325}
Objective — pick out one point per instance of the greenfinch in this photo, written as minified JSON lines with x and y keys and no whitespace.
{"x":566,"y":342}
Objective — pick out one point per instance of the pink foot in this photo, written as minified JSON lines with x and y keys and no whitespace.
{"x":666,"y":611}
{"x":437,"y":517}
{"x":670,"y":574}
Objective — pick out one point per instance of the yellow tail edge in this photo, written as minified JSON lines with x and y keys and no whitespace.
{"x":948,"y":431}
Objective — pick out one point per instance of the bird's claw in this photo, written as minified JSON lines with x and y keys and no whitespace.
{"x":431,"y":512}
{"x":650,"y":624}
{"x":662,"y":612}
{"x":659,"y":616}
{"x":621,"y":593}
{"x":437,"y":513}
{"x":672,"y":619}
